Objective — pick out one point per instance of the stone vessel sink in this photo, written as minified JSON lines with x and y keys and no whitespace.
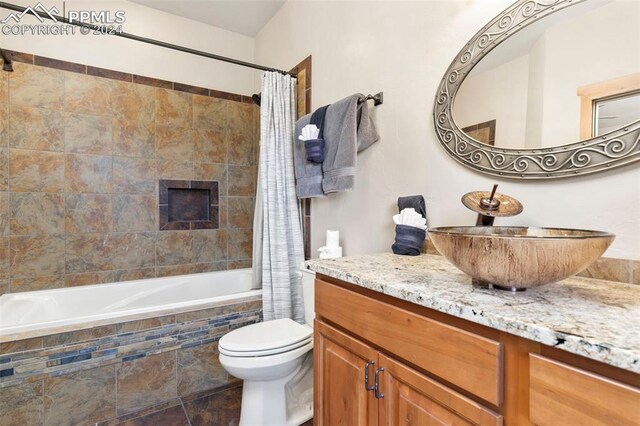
{"x":516,"y":258}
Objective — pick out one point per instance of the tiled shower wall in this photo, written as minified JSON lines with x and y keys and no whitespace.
{"x":80,"y":160}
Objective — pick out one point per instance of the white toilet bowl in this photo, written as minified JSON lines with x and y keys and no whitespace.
{"x":273,"y":358}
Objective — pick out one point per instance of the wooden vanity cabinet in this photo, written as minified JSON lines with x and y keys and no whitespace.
{"x":434,"y":369}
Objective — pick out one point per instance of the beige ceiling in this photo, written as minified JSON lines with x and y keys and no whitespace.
{"x":241,"y":16}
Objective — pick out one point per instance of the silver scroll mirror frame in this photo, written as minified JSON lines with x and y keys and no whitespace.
{"x":614,"y":149}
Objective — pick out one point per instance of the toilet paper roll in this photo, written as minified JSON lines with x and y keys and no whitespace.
{"x":333,"y":239}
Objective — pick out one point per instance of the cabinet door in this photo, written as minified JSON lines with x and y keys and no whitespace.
{"x":411,"y":398}
{"x":340,"y":394}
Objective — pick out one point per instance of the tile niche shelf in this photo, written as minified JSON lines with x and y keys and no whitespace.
{"x":188,"y":204}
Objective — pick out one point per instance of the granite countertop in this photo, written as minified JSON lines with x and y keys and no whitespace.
{"x":592,"y":318}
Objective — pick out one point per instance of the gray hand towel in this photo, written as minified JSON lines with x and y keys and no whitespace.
{"x":348,"y":129}
{"x":308,"y":175}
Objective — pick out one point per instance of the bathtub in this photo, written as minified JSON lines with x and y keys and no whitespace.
{"x":46,"y":312}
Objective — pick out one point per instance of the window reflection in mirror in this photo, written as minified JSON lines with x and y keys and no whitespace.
{"x":529,"y":83}
{"x":612,"y":113}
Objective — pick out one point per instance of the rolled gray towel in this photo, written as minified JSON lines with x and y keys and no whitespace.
{"x":413,"y":201}
{"x":409,"y":240}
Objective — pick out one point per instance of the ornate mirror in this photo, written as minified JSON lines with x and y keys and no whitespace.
{"x":547,"y":89}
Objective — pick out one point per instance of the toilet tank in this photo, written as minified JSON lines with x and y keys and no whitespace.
{"x":308,"y":278}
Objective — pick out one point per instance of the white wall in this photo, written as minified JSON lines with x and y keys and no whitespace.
{"x":143,"y":59}
{"x":497,"y":94}
{"x":403,"y":49}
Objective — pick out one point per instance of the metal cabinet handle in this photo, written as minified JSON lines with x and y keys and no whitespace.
{"x":376,"y":383}
{"x":366,"y":376}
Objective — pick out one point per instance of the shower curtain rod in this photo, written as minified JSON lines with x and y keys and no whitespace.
{"x":95,"y":27}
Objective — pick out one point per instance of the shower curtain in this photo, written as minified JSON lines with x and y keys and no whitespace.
{"x":278,"y":255}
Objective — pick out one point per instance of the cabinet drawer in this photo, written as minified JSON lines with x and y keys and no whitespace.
{"x":466,"y":360}
{"x":561,"y":394}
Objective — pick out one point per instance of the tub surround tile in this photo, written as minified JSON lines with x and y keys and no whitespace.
{"x":240,"y":212}
{"x":133,"y":274}
{"x":109,"y":74}
{"x":133,"y":102}
{"x":21,"y":346}
{"x":88,"y":213}
{"x":174,"y":248}
{"x":4,"y":286}
{"x":591,"y":318}
{"x":145,"y":324}
{"x":199,"y":369}
{"x":85,"y":396}
{"x":4,"y":214}
{"x":192,"y":268}
{"x":78,"y":336}
{"x":36,"y":171}
{"x":210,"y":246}
{"x":220,"y":408}
{"x":4,"y":258}
{"x":88,"y":173}
{"x":212,"y":172}
{"x":173,"y":108}
{"x":36,"y":128}
{"x":240,"y":146}
{"x":154,"y":82}
{"x":242,"y":181}
{"x":88,"y":134}
{"x":133,"y":138}
{"x":36,"y":86}
{"x":174,"y":143}
{"x":169,"y":169}
{"x":37,"y":213}
{"x":209,"y":146}
{"x":88,"y":278}
{"x":89,"y":253}
{"x":209,"y":112}
{"x":146,"y":381}
{"x":240,"y":244}
{"x":4,"y":169}
{"x":22,"y":405}
{"x":47,"y":282}
{"x":34,"y":256}
{"x":134,"y":175}
{"x":239,"y":264}
{"x":134,"y":250}
{"x":134,"y":213}
{"x":58,"y":64}
{"x":85,"y":94}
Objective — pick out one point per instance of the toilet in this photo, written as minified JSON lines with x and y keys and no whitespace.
{"x":274,"y":359}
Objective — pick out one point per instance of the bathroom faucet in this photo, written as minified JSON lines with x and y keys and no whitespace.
{"x":490,"y":205}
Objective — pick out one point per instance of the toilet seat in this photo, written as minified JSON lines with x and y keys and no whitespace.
{"x":265,"y":338}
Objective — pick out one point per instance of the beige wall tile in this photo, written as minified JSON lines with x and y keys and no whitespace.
{"x":170,"y":271}
{"x":21,"y":405}
{"x":78,"y":336}
{"x":36,"y":213}
{"x":34,"y":256}
{"x":80,"y":398}
{"x":168,"y":169}
{"x":173,"y":108}
{"x":88,"y":173}
{"x":210,"y":146}
{"x":134,"y":250}
{"x":199,"y":369}
{"x":4,"y":169}
{"x":134,"y":175}
{"x":217,"y":172}
{"x":4,"y":258}
{"x":134,"y":138}
{"x":88,"y":213}
{"x":209,"y":245}
{"x":88,"y":134}
{"x":4,"y":214}
{"x":239,"y":264}
{"x":37,"y":283}
{"x":174,"y":248}
{"x":240,"y":244}
{"x":210,"y":113}
{"x":240,"y":147}
{"x":31,"y":85}
{"x":88,"y":278}
{"x":21,"y":345}
{"x":174,"y":143}
{"x":134,"y":213}
{"x":89,"y":253}
{"x":133,"y":102}
{"x":36,"y":128}
{"x":36,"y":171}
{"x":146,"y":381}
{"x":242,"y":181}
{"x":240,"y":212}
{"x":133,"y":274}
{"x":86,"y":94}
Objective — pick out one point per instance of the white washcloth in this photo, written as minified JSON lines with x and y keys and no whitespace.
{"x":410,"y":217}
{"x":310,"y":131}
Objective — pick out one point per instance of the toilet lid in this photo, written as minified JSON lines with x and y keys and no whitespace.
{"x":265,"y":336}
